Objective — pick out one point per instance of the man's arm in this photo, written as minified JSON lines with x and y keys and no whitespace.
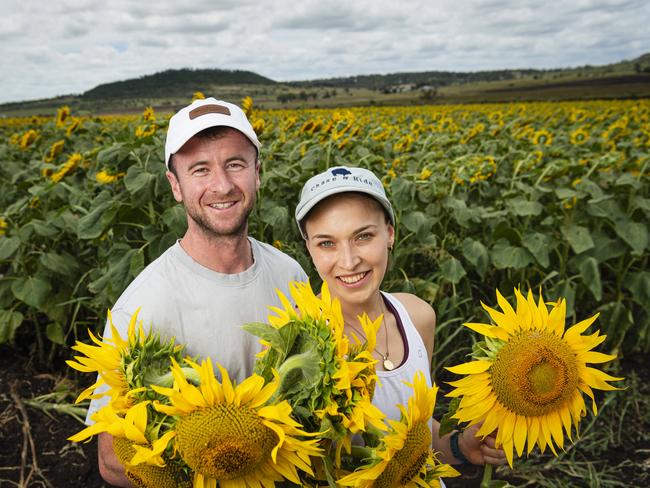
{"x":110,"y":467}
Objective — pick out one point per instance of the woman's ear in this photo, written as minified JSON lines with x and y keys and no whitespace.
{"x":391,"y":236}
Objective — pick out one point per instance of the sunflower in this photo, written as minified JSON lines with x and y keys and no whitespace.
{"x":126,"y":365}
{"x":232,"y":434}
{"x":327,"y":380}
{"x":542,"y":137}
{"x":62,"y":115}
{"x":579,"y":136}
{"x":529,"y":378}
{"x":171,"y":475}
{"x":68,"y":167}
{"x":105,"y":177}
{"x":404,"y":457}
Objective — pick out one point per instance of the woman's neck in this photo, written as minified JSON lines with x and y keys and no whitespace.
{"x":374,"y":307}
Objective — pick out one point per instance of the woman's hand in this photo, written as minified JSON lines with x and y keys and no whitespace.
{"x":480,"y":451}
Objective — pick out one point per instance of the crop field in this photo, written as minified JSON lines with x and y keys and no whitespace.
{"x":546,"y":196}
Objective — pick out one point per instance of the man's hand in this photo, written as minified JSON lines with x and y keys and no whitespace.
{"x":110,"y":467}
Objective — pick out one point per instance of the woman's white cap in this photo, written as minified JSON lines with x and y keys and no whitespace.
{"x":200,"y":115}
{"x":341,"y":179}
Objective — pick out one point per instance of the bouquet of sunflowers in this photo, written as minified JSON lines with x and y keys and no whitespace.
{"x":297,"y":419}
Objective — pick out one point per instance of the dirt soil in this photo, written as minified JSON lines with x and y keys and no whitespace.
{"x":34,"y":451}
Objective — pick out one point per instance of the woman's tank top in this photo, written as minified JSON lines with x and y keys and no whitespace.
{"x":392,"y":390}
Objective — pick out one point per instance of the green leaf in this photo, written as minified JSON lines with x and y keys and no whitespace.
{"x":607,"y":208}
{"x":138,"y":180}
{"x":607,"y":248}
{"x":43,"y":229}
{"x":477,"y":254}
{"x":9,"y":323}
{"x":590,"y":274}
{"x":565,"y":193}
{"x":97,"y":221}
{"x":504,"y":256}
{"x":416,"y":221}
{"x":448,"y":423}
{"x":578,"y":237}
{"x":402,"y":192}
{"x":31,"y":290}
{"x":642,"y":203}
{"x":57,"y":263}
{"x":8,"y":246}
{"x":525,"y":208}
{"x":460,"y":212}
{"x":639,"y":285}
{"x":634,"y":234}
{"x":539,"y":246}
{"x":627,"y":179}
{"x":113,"y":155}
{"x":452,"y":271}
{"x":175,"y":219}
{"x":55,"y":332}
{"x":137,"y":263}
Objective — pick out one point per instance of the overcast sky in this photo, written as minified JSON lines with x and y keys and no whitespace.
{"x":59,"y":47}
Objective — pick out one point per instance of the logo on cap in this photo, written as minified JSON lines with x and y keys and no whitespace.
{"x":341,"y":172}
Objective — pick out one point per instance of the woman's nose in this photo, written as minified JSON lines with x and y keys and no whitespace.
{"x":349,"y":257}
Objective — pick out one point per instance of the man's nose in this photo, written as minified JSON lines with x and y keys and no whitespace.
{"x":220,"y":182}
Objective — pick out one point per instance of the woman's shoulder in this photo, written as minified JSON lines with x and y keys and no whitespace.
{"x":421,"y":313}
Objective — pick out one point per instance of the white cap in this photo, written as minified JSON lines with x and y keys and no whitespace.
{"x":201,"y":114}
{"x":341,"y":179}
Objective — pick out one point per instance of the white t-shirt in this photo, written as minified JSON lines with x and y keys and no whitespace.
{"x":204,"y":309}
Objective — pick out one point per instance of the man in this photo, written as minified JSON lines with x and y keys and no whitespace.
{"x":216,"y":278}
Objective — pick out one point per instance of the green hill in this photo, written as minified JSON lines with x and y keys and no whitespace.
{"x":173,"y":83}
{"x":169,"y":90}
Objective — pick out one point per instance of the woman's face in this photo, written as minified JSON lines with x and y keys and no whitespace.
{"x":348,"y":240}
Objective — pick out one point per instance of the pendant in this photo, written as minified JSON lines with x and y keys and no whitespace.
{"x":388,"y":364}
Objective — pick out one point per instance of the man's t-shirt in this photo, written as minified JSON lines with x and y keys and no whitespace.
{"x":203,"y":309}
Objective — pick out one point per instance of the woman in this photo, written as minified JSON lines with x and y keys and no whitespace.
{"x":348,"y":226}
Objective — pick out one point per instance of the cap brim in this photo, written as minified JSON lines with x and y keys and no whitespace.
{"x":310,"y":204}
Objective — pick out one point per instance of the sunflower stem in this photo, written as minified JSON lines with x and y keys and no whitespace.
{"x":487,"y":476}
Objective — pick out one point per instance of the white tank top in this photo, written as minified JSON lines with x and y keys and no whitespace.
{"x":392,"y":391}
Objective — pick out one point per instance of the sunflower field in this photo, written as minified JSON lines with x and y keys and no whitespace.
{"x":544,"y":196}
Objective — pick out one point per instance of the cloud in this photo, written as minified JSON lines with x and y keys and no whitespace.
{"x":77,"y":44}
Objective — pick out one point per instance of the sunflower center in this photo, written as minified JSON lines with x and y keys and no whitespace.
{"x":144,"y":475}
{"x":225,"y":441}
{"x":534,"y":373}
{"x":408,"y":461}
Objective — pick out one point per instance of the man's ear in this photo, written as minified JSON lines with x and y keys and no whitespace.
{"x":176,"y":188}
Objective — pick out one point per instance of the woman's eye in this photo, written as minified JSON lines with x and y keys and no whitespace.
{"x":325,"y":244}
{"x":364,"y":236}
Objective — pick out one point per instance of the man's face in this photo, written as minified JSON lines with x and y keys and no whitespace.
{"x":216,"y":180}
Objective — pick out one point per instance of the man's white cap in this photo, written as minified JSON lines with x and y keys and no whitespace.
{"x":200,"y":115}
{"x":340,"y":179}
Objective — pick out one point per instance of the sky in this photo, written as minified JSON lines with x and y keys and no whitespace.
{"x":61,"y":47}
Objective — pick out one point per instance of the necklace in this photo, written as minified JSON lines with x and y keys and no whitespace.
{"x":386,"y":363}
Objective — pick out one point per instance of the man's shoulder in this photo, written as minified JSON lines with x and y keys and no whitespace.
{"x":274,"y":255}
{"x":152,"y":279}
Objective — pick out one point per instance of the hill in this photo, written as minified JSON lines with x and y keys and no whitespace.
{"x":168,"y":90}
{"x":174,"y":82}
